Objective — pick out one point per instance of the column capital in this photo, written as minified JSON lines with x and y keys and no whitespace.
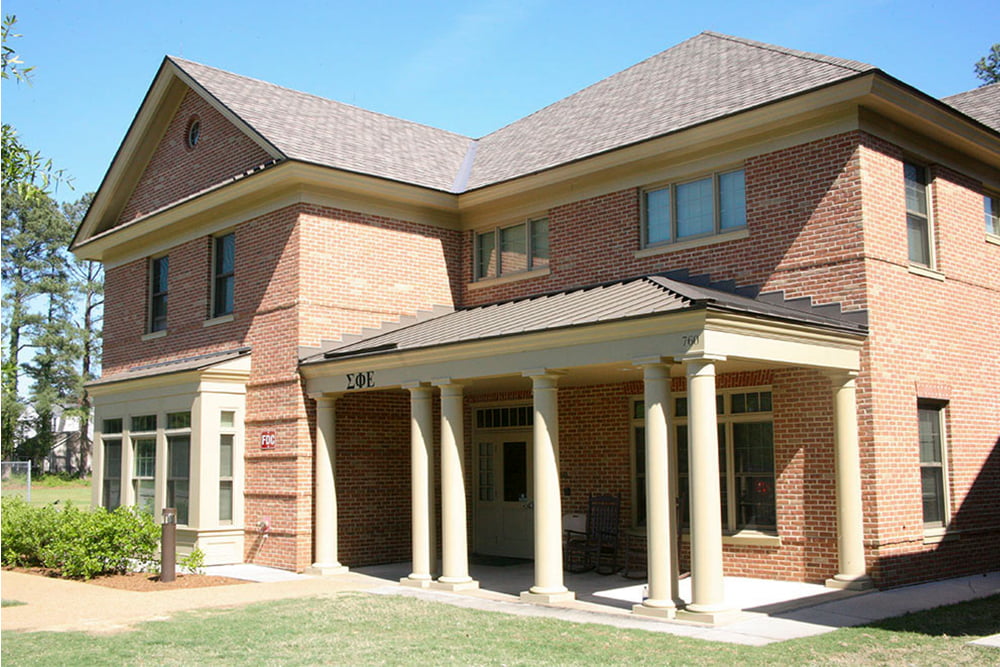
{"x":324,"y":398}
{"x":841,"y":378}
{"x":416,"y":385}
{"x":533,"y":373}
{"x":696,"y":357}
{"x":445,"y":382}
{"x":643,"y":362}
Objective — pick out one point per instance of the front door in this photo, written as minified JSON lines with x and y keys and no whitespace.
{"x":504,"y":507}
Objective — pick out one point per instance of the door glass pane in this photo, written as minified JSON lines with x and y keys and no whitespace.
{"x":515,"y":471}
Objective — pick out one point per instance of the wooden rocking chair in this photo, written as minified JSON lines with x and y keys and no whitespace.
{"x":598,"y":546}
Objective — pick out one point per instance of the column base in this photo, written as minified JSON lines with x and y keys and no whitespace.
{"x":326,"y":569}
{"x":418,"y":582}
{"x":709,"y":616}
{"x":551,"y":597}
{"x":466,"y":585}
{"x":653,"y":611}
{"x":851,"y":582}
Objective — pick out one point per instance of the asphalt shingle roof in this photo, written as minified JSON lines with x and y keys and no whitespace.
{"x":621,"y":300}
{"x":983,"y":104}
{"x":706,"y":77}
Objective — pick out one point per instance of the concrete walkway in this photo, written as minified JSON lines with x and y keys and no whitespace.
{"x":60,"y":605}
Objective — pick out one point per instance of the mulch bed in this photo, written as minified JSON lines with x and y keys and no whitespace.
{"x":140,"y":581}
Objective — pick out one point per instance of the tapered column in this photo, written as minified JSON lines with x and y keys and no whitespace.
{"x":455,"y":549}
{"x":660,"y":557}
{"x":847,"y":467}
{"x":421,"y":498}
{"x":549,"y":585}
{"x":325,"y":532}
{"x":708,"y":603}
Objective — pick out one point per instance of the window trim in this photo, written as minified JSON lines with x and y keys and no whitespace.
{"x":532,"y":267}
{"x":153,"y":325}
{"x":928,"y":218}
{"x":717,"y":233}
{"x":940,"y":408}
{"x":218,"y":276}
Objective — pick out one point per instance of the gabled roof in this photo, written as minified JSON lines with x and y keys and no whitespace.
{"x":982,"y":103}
{"x":644,"y":296}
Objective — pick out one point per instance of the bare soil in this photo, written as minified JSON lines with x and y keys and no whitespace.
{"x":142,"y":582}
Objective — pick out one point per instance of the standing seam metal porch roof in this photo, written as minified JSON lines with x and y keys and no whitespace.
{"x":609,"y":302}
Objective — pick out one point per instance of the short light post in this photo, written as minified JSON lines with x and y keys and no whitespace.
{"x":168,"y":545}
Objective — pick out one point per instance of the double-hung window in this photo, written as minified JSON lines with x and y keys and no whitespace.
{"x":111,"y":491}
{"x":746,"y":460}
{"x":933,"y":477}
{"x":227,"y":439}
{"x":918,"y":222}
{"x":143,"y":435}
{"x":179,"y":463}
{"x":514,"y":249}
{"x":991,"y":214}
{"x":708,"y":206}
{"x":159,"y":269}
{"x":224,"y":271}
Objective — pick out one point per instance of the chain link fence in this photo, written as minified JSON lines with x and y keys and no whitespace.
{"x":15,"y":479}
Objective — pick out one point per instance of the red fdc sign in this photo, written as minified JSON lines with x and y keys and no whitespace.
{"x":268,"y":440}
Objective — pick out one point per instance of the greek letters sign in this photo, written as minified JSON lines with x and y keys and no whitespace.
{"x":362,"y":380}
{"x":268,"y":439}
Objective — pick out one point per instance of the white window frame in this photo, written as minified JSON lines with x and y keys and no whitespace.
{"x":928,"y":217}
{"x":939,"y":408}
{"x":671,"y":187}
{"x":532,"y":260}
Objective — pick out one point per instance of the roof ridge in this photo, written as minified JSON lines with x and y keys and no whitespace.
{"x":304,"y":93}
{"x":804,"y":55}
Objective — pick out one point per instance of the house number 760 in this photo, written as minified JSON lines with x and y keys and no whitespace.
{"x":361,"y":380}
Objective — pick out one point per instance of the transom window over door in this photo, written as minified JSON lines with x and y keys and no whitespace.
{"x":704,"y":207}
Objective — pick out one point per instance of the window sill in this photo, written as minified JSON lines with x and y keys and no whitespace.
{"x":221,"y":319}
{"x":664,"y":248}
{"x":992,"y":238}
{"x":926,"y":272}
{"x":509,"y":278}
{"x":940,"y":534}
{"x":153,"y":335}
{"x":747,"y":538}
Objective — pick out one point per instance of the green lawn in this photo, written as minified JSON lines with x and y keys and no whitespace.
{"x":50,"y":490}
{"x":366,"y":629}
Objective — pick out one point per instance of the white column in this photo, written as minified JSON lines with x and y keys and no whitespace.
{"x":161,"y":469}
{"x":325,"y":533}
{"x":708,"y":603}
{"x":455,"y":543}
{"x":548,"y":586}
{"x":660,"y":558}
{"x":97,"y":470}
{"x":847,"y":466}
{"x":128,"y":467}
{"x":421,"y":491}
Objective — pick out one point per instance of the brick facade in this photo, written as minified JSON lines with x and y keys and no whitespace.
{"x":825,"y":219}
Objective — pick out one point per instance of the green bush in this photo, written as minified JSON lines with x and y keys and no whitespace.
{"x":78,"y":543}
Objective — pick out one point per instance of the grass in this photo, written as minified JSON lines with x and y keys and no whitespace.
{"x":358,"y":628}
{"x":53,"y":488}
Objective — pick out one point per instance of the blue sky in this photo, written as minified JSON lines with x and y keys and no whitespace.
{"x":469,"y":67}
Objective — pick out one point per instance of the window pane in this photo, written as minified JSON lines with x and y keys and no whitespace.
{"x":991,"y":212}
{"x":225,"y":254}
{"x":112,"y":496}
{"x":178,"y":498}
{"x":226,"y":456}
{"x":681,"y":407}
{"x":513,"y":249}
{"x":515,"y":471}
{"x":112,"y":426}
{"x":486,"y":255}
{"x":178,"y":420}
{"x":695,"y":212}
{"x":145,"y":457}
{"x":932,"y":490}
{"x":916,"y":189}
{"x":223,"y":296}
{"x":112,"y":459}
{"x":732,"y":200}
{"x":540,"y":242}
{"x":180,"y":456}
{"x":225,"y":500}
{"x":930,"y":435}
{"x":640,"y":475}
{"x":144,"y":423}
{"x":916,"y":236}
{"x":657,"y":216}
{"x":144,"y":494}
{"x":753,"y":454}
{"x":227,"y":419}
{"x":160,"y":271}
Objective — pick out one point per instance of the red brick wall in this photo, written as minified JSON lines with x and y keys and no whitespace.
{"x":175,"y":171}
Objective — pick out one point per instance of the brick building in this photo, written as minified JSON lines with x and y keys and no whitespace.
{"x":749,"y":282}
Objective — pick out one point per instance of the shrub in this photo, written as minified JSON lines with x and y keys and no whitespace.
{"x":194,"y":562}
{"x":79,"y":543}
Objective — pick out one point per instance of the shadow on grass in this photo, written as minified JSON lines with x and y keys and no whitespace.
{"x":974,"y":618}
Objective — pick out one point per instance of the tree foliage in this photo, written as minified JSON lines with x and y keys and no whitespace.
{"x":988,"y":67}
